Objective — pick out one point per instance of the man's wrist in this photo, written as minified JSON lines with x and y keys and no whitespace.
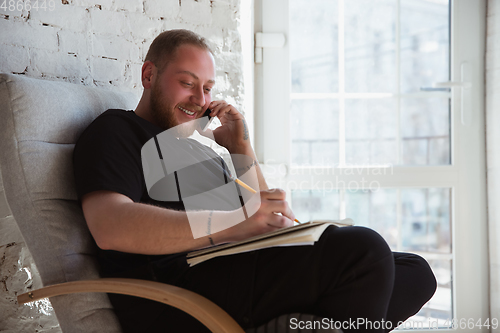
{"x":246,"y":167}
{"x":243,"y":149}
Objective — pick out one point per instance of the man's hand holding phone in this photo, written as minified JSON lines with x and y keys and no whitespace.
{"x":207,"y":120}
{"x":233,"y":134}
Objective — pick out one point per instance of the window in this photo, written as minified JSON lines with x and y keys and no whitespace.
{"x":373,"y":110}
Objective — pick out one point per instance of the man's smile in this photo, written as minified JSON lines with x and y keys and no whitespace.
{"x":186,"y":111}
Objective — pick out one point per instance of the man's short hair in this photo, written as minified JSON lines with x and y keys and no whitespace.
{"x":164,"y":46}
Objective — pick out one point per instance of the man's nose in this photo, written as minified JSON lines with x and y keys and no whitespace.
{"x":198,"y":97}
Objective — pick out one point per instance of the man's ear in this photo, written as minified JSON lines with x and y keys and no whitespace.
{"x":148,"y":72}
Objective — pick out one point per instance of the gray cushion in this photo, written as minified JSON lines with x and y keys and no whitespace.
{"x":40,"y":123}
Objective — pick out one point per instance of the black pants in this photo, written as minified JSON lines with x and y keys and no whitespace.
{"x":349,"y":276}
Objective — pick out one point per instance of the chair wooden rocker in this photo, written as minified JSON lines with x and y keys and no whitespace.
{"x":40,"y":123}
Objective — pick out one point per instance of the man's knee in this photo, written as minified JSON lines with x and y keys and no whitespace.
{"x":420,"y":280}
{"x":425,"y":277}
{"x":369,"y":241}
{"x":361,"y":244}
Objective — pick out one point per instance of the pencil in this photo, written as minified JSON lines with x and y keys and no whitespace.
{"x":242,"y":184}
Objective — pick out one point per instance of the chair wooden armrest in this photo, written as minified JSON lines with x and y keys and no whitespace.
{"x":207,"y":312}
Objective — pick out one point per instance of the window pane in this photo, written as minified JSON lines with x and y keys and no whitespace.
{"x":314,"y":46}
{"x":375,"y":209}
{"x":426,"y":220}
{"x":308,"y":205}
{"x":425,"y":131}
{"x":370,"y":46}
{"x":437,"y":313}
{"x":424,"y":228}
{"x":424,"y":43}
{"x":314,"y":132}
{"x":371,"y":131}
{"x":370,"y":29}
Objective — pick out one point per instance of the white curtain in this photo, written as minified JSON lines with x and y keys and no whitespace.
{"x":493,"y":150}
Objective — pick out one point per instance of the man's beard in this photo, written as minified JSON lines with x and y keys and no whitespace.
{"x":161,"y":110}
{"x":163,"y":113}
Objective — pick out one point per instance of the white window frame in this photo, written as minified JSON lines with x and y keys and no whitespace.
{"x":466,"y":175}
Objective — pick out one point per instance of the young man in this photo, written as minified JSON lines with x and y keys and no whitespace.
{"x":350,"y":274}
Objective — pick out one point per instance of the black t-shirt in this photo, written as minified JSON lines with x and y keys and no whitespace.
{"x":107,"y":156}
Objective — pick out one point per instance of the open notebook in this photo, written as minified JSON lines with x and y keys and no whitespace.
{"x":302,"y":234}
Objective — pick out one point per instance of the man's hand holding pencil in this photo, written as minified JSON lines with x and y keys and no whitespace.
{"x":274,"y":212}
{"x":241,"y":183}
{"x":267,"y":218}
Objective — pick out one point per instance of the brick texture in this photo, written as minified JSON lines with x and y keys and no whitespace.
{"x":96,"y":43}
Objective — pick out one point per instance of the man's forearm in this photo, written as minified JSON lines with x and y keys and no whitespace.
{"x":132,"y":227}
{"x":243,"y":165}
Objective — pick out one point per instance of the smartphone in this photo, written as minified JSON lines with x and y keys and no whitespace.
{"x":206,"y":120}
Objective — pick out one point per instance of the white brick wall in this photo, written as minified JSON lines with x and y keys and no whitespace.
{"x":28,"y":34}
{"x":97,"y":43}
{"x":19,"y":56}
{"x":168,"y":9}
{"x":193,"y":12}
{"x":108,"y":22}
{"x":86,"y":36}
{"x":59,"y":17}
